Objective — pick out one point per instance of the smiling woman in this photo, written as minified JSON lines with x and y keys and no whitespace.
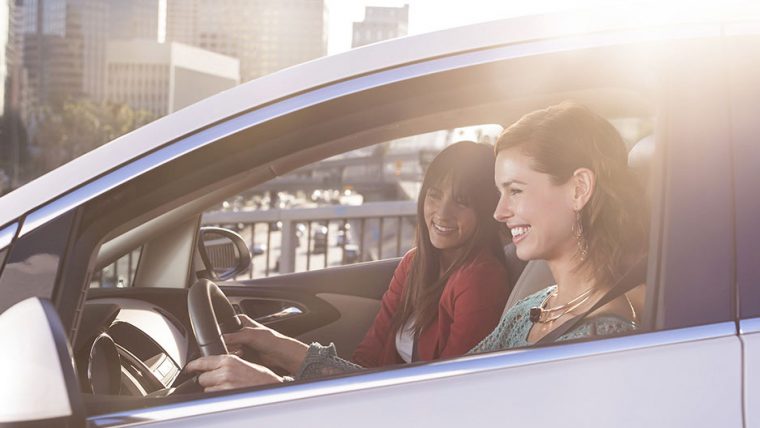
{"x":569,"y":198}
{"x":446,"y":294}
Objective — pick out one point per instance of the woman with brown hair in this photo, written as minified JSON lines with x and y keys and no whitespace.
{"x":445,"y":296}
{"x":567,"y":197}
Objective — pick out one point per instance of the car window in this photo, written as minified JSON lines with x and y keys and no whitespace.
{"x":118,"y":274}
{"x":354,"y":207}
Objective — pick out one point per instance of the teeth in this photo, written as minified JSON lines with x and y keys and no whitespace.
{"x":519,"y":230}
{"x":443,"y":228}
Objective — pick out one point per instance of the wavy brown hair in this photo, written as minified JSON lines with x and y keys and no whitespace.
{"x":469,"y":167}
{"x":564,"y":137}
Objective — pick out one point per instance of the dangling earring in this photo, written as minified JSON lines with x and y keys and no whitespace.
{"x":580,"y":238}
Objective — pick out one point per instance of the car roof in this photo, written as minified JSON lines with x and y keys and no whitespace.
{"x":317,"y":73}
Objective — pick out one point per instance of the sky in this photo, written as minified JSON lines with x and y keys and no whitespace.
{"x":432,"y":15}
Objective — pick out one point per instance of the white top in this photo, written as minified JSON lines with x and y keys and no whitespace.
{"x":405,"y":342}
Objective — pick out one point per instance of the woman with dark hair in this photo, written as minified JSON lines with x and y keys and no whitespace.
{"x":445,"y":296}
{"x":567,"y":197}
{"x":449,"y":291}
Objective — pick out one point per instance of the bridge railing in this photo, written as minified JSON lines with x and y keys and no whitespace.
{"x":299,"y":239}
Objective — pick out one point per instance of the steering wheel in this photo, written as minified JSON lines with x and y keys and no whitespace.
{"x":211,"y":315}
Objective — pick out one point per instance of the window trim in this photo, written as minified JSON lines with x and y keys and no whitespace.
{"x":7,"y":234}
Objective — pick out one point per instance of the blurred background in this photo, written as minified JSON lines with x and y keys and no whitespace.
{"x":79,"y":73}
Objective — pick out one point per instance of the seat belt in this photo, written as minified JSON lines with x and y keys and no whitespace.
{"x":633,"y":277}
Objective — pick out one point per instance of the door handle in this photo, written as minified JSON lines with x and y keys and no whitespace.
{"x":289,"y":312}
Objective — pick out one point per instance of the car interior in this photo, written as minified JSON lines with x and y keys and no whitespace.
{"x":131,"y":343}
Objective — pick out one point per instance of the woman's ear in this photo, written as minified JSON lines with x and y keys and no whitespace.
{"x":583,"y":184}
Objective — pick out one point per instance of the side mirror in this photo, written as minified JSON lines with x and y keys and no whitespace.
{"x":223,"y":252}
{"x":40,"y":386}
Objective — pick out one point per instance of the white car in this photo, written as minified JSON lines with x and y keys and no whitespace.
{"x":685,"y":94}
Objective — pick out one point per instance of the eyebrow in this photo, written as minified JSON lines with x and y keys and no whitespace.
{"x":511,"y":182}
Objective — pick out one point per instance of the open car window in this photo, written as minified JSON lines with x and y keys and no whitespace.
{"x":353,"y":207}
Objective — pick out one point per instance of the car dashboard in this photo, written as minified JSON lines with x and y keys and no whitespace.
{"x":129,"y":347}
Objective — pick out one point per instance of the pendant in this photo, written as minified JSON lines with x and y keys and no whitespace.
{"x":535,"y":314}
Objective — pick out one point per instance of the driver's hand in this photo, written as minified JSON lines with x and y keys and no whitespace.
{"x":223,"y":372}
{"x":274,"y":349}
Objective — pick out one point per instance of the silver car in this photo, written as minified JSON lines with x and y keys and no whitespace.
{"x":686,"y":96}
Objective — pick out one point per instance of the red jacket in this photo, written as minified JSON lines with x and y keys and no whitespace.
{"x":471,"y":305}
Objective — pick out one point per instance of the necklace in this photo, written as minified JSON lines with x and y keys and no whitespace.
{"x":544,"y":315}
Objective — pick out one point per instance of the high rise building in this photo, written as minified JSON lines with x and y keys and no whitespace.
{"x":65,"y":42}
{"x":165,"y":77}
{"x":380,"y":23}
{"x":266,"y":35}
{"x":12,"y":96}
{"x":52,"y":51}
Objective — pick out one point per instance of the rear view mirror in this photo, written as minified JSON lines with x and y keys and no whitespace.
{"x":223,"y":252}
{"x":39,"y":386}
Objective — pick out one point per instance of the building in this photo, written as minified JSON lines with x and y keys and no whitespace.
{"x":165,"y":77}
{"x":380,"y":23}
{"x":266,"y":35}
{"x":65,"y":42}
{"x":52,"y":51}
{"x":13,"y":103}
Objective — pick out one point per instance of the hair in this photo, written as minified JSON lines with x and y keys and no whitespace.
{"x":470,"y":168}
{"x":565,"y":137}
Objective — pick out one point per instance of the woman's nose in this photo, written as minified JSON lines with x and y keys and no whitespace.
{"x":503,"y":211}
{"x":446,"y":207}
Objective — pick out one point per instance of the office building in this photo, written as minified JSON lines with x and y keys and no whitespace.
{"x":380,"y":23}
{"x":266,"y":35}
{"x":165,"y":77}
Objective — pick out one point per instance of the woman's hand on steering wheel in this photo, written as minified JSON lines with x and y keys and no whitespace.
{"x":223,"y":372}
{"x":273,"y":348}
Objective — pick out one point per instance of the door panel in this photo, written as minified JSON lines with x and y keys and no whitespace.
{"x":750,"y":330}
{"x":338,"y":304}
{"x":356,"y":316}
{"x":657,"y":382}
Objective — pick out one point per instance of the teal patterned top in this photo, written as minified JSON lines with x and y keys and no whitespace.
{"x":511,"y":332}
{"x":514,"y":326}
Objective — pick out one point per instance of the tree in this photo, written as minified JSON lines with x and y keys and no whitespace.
{"x":77,"y":127}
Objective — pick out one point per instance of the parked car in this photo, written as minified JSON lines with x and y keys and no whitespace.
{"x":687,"y":95}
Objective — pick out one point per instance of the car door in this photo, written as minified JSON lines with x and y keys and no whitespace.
{"x":743,"y":45}
{"x":684,"y":370}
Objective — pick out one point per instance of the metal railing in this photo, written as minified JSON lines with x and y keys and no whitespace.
{"x":333,"y":235}
{"x":302,"y":239}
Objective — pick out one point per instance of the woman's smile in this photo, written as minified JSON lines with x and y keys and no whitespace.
{"x":518,"y":232}
{"x":443,"y":230}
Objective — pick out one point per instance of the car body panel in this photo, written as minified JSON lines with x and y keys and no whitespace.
{"x":750,"y":337}
{"x":511,"y":386}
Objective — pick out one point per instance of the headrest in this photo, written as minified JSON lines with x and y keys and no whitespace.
{"x":640,"y":160}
